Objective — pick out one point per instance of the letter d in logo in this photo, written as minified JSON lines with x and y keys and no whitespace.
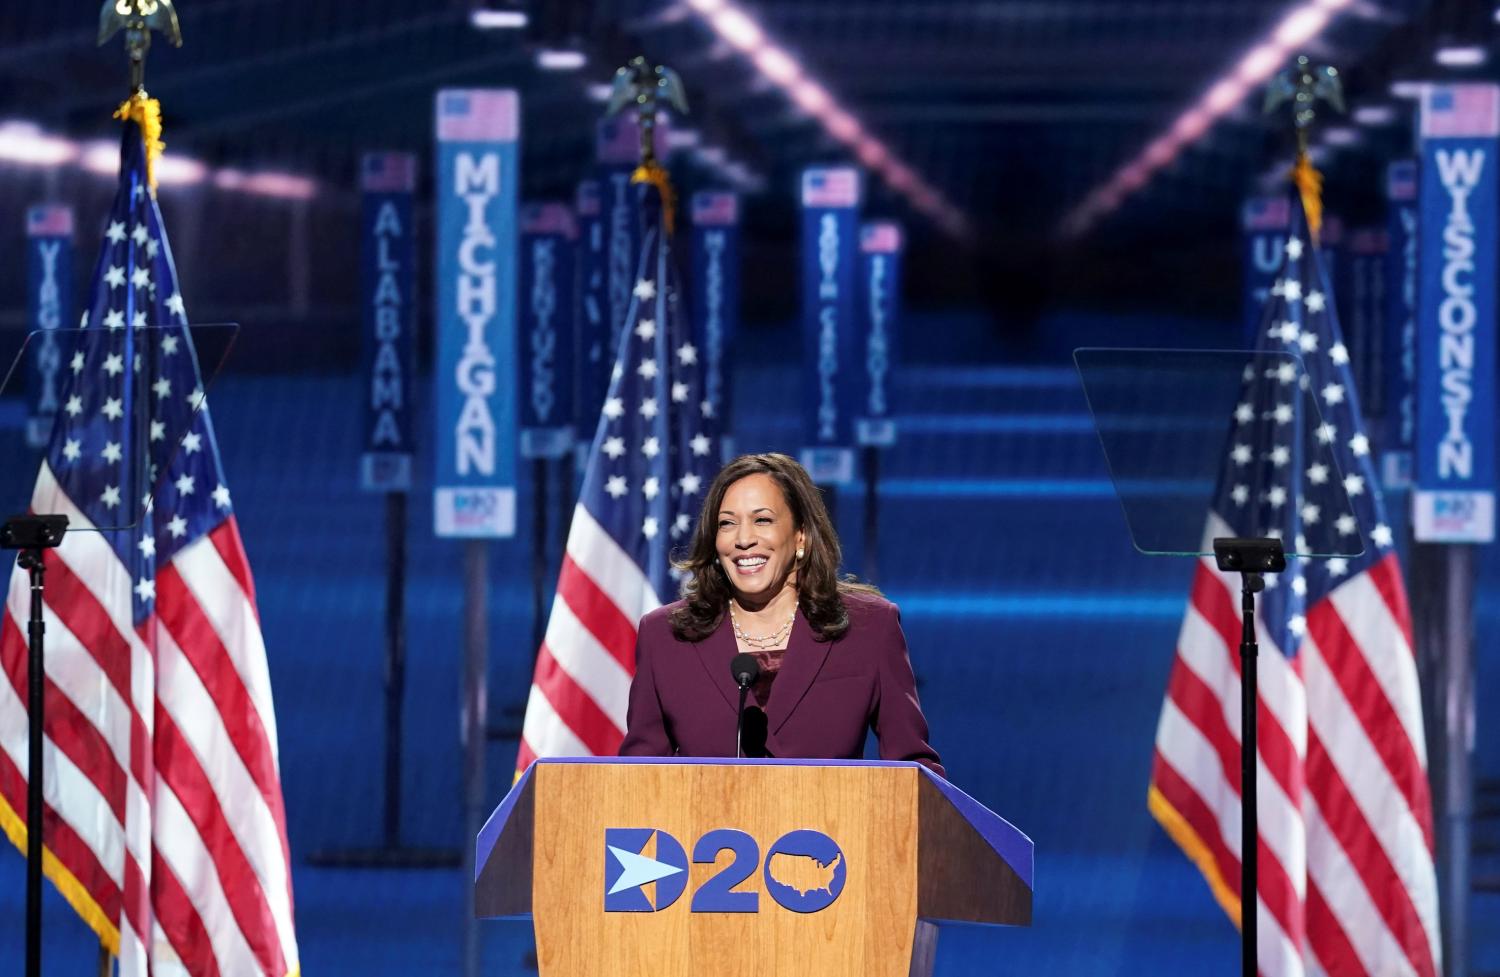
{"x":627,"y":868}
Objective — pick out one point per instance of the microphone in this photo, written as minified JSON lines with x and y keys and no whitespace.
{"x":745,"y":668}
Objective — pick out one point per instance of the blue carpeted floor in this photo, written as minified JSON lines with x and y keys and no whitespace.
{"x":1042,"y":640}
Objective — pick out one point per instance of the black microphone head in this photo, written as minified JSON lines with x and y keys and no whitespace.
{"x":745,"y":668}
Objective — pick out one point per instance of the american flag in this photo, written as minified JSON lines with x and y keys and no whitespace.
{"x":880,"y":237}
{"x":387,"y":172}
{"x":164,"y":815}
{"x":1345,"y":855}
{"x":548,"y":218}
{"x":652,"y":458}
{"x":478,"y":114}
{"x":1401,"y":180}
{"x":716,"y":208}
{"x":835,"y":186}
{"x":1471,"y":109}
{"x":49,"y":220}
{"x":1266,"y":213}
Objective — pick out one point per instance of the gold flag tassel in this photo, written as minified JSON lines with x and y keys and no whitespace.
{"x":146,"y":113}
{"x":1309,"y":183}
{"x":655,"y":174}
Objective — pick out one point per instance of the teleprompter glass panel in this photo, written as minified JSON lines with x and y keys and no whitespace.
{"x":1206,"y":443}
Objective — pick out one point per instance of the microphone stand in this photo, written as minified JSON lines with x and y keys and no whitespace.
{"x":739,"y":723}
{"x":1250,"y":558}
{"x":745,"y":670}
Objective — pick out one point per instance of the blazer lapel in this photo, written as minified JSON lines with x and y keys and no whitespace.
{"x":804,"y":659}
{"x":715,"y":653}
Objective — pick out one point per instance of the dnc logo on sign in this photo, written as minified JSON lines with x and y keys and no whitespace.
{"x":627,"y":868}
{"x":804,"y":871}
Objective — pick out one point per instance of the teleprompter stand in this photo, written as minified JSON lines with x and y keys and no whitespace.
{"x":1251,"y":558}
{"x":33,"y":536}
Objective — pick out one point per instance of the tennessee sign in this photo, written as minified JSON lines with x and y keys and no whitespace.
{"x":475,"y":483}
{"x":804,"y":871}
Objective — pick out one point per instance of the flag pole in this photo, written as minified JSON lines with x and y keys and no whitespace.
{"x":1302,"y":85}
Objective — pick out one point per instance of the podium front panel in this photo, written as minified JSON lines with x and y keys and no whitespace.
{"x":830,"y":889}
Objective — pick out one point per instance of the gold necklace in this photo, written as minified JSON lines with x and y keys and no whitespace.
{"x":761,"y":642}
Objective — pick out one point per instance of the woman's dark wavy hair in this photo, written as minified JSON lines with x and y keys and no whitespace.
{"x":820,"y":592}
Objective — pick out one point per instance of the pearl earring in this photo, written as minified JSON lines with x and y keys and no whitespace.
{"x":800,"y":553}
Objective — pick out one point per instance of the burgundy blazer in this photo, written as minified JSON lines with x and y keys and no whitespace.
{"x":827,"y":694}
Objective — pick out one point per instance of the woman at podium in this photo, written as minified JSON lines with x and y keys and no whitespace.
{"x":762,"y":579}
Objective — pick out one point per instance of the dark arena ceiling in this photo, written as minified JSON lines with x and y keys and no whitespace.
{"x":1012,"y":112}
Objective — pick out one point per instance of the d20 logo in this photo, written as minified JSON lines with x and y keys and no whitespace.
{"x":628,"y":869}
{"x":805,"y":871}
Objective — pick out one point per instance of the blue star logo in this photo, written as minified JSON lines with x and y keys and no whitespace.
{"x":628,"y":869}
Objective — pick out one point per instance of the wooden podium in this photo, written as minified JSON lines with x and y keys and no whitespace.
{"x":647,"y":867}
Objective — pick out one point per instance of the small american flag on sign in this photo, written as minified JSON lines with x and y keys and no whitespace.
{"x":587,"y":202}
{"x":715,"y":208}
{"x":49,"y":220}
{"x":1266,"y":214}
{"x":880,"y":237}
{"x":1461,"y":110}
{"x":477,"y":115}
{"x":388,"y":172}
{"x":1401,"y":180}
{"x":830,"y":187}
{"x":548,"y":218}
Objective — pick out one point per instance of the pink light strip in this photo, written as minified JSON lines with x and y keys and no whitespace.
{"x":1255,"y":67}
{"x":740,"y":31}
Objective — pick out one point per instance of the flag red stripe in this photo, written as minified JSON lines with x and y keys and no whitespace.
{"x":179,"y":768}
{"x":1386,"y":576}
{"x":1275,"y":885}
{"x":1204,"y":709}
{"x":1347,"y":823}
{"x":179,"y":920}
{"x":88,"y":620}
{"x":1192,"y":808}
{"x":72,"y":601}
{"x":1214,"y":603}
{"x":226,"y":539}
{"x":64,"y":843}
{"x":69,"y":730}
{"x":194,"y":634}
{"x":592,"y":606}
{"x":1327,"y":939}
{"x":524,"y":757}
{"x":1278,"y":893}
{"x":1347,"y":662}
{"x":135,"y":900}
{"x":575,"y":707}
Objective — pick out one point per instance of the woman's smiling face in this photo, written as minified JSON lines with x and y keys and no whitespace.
{"x":757,"y":541}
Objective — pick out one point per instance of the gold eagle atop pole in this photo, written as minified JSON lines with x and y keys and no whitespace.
{"x":1303,"y":85}
{"x":138,"y":19}
{"x":644,"y":84}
